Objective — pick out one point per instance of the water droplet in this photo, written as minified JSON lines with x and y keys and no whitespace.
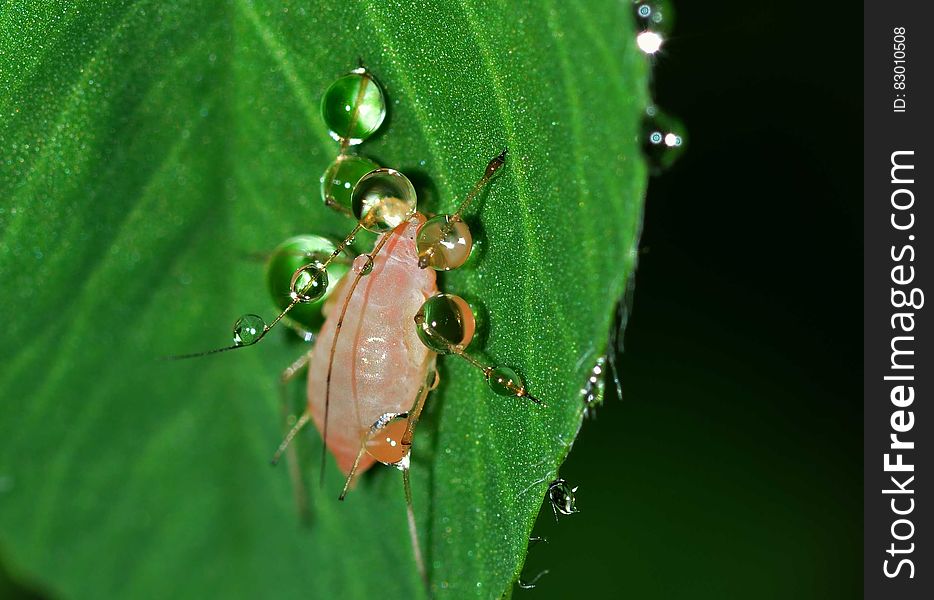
{"x":657,"y":15}
{"x":288,"y":257}
{"x":445,"y":320}
{"x":561,"y":496}
{"x":248,"y":329}
{"x":363,"y":264}
{"x":385,"y":441}
{"x":383,"y":199}
{"x":443,"y":243}
{"x":663,"y":139}
{"x":350,"y":115}
{"x":309,"y":283}
{"x":339,"y":178}
{"x":504,"y":381}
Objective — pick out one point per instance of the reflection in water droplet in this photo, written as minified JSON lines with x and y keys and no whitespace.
{"x":443,"y":243}
{"x":248,"y":329}
{"x":663,"y":139}
{"x":443,"y":321}
{"x":561,"y":495}
{"x":344,"y":173}
{"x":504,"y":381}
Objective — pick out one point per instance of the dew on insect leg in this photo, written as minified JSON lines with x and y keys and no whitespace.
{"x":309,"y":283}
{"x":363,"y":264}
{"x":353,"y":107}
{"x":248,"y":329}
{"x":291,"y":255}
{"x":445,"y":323}
{"x":443,"y":243}
{"x":341,"y":176}
{"x":383,"y":199}
{"x":504,"y":381}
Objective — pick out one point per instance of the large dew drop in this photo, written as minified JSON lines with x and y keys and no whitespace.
{"x":288,"y":257}
{"x":383,"y":199}
{"x":353,"y":107}
{"x":341,"y":176}
{"x":445,"y":321}
{"x":443,"y":243}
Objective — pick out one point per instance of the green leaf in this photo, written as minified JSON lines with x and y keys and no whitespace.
{"x":146,"y":147}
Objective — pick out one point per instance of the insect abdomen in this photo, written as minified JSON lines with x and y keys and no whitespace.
{"x":379,"y":363}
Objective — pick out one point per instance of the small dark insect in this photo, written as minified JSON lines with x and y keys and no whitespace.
{"x":561,"y":495}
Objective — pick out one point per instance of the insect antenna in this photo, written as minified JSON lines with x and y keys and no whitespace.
{"x":438,"y":241}
{"x":248,"y":330}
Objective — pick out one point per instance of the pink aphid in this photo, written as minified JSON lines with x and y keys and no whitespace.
{"x":379,"y":366}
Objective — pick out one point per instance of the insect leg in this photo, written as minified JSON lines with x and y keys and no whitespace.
{"x":413,"y":530}
{"x":295,"y":471}
{"x":431,"y":382}
{"x":353,"y":469}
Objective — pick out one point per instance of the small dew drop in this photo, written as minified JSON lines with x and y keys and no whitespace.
{"x":363,"y":264}
{"x":309,"y":283}
{"x":504,"y":381}
{"x":248,"y":329}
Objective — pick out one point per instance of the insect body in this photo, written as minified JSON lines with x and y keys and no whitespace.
{"x":373,"y":363}
{"x":383,"y":364}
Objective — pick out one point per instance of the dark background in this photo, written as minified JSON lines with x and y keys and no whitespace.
{"x":732,"y":469}
{"x":733,"y":466}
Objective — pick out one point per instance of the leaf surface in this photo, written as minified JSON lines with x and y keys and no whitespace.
{"x":147,"y":147}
